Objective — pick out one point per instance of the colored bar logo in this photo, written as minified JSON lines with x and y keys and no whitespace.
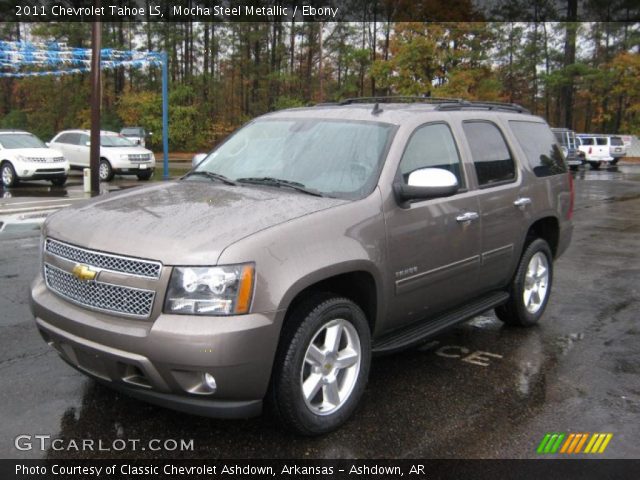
{"x":572,"y":443}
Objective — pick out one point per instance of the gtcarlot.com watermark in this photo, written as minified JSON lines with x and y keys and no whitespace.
{"x":48,"y":442}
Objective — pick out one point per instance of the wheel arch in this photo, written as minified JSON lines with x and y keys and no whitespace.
{"x":356,"y":284}
{"x":546,"y":228}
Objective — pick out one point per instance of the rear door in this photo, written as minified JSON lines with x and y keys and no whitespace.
{"x":504,"y":201}
{"x":83,"y":150}
{"x":65,"y":143}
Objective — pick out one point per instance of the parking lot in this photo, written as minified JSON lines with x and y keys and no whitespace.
{"x":479,"y":391}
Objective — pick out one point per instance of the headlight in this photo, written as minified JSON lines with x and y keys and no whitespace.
{"x":124,"y":157}
{"x":223,"y":290}
{"x":21,"y":158}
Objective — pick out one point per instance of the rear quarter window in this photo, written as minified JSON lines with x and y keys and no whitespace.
{"x":540,"y":147}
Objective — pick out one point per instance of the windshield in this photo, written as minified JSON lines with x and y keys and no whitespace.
{"x":334,"y":157}
{"x":20,"y":140}
{"x":115,"y":141}
{"x":134,"y":132}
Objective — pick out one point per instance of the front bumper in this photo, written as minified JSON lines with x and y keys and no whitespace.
{"x":163,"y":361}
{"x":41,"y":172}
{"x":125,"y":166}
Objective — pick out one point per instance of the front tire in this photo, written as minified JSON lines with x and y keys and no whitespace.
{"x":59,"y":182}
{"x":8,"y":175}
{"x":105,"y":172}
{"x":322,"y":365}
{"x":530,"y":287}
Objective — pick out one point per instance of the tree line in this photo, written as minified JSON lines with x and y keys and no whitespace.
{"x":575,"y":74}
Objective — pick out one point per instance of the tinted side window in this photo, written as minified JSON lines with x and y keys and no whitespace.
{"x":64,"y":138}
{"x":82,"y":139}
{"x":602,"y":141}
{"x":540,"y":147}
{"x":491,"y":156}
{"x":586,"y":141}
{"x":432,"y":146}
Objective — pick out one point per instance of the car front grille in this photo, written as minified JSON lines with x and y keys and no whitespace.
{"x":100,"y":296}
{"x":45,"y":160}
{"x":104,"y":261}
{"x":139,"y":157}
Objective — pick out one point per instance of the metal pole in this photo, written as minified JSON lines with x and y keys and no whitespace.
{"x":165,"y":115}
{"x":94,"y":161}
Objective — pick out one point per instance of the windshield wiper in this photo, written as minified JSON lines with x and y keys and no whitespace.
{"x":278,"y":182}
{"x":211,"y":175}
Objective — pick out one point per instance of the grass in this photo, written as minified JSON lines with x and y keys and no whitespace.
{"x":174,"y":172}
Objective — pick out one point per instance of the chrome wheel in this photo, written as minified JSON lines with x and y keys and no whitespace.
{"x":7,"y":175}
{"x":104,"y":171}
{"x":331,"y":366}
{"x":536,"y":282}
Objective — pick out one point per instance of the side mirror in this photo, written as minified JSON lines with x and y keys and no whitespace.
{"x":88,"y":144}
{"x":48,"y":144}
{"x":150,"y":134}
{"x":426,"y":183}
{"x":197,"y":158}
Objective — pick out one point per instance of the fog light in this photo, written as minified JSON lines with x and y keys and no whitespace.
{"x":210,"y":382}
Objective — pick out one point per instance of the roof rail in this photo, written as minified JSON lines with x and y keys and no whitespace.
{"x":398,"y":99}
{"x":442,"y":103}
{"x":512,"y":107}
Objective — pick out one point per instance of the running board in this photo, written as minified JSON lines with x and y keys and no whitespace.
{"x":417,"y":332}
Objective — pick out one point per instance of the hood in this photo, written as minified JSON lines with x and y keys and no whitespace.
{"x":36,"y":152}
{"x":179,"y":223}
{"x":137,"y":150}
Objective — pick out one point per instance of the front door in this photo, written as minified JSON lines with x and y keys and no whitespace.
{"x":434,"y":245}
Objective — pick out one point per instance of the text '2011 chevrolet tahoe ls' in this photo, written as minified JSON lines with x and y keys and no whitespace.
{"x":309,"y":240}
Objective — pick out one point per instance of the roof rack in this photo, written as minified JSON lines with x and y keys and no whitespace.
{"x":443,"y":103}
{"x":511,"y":107}
{"x":398,"y":99}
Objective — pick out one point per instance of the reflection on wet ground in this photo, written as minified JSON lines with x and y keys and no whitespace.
{"x":418,"y":401}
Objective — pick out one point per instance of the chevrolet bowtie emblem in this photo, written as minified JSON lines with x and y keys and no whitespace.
{"x":83,"y":272}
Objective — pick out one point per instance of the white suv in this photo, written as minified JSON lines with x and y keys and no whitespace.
{"x":117,"y":154}
{"x":23,"y":156}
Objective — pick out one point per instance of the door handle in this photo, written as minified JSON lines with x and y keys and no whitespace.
{"x":522,"y":202}
{"x":467,"y":217}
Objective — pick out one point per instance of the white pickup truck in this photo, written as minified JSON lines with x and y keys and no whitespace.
{"x":595,"y":149}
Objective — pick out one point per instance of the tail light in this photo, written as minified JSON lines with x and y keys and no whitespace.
{"x":590,"y":150}
{"x":572,"y":195}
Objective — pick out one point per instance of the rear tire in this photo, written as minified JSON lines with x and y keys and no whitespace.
{"x":595,"y":165}
{"x":105,"y":172}
{"x":530,"y":288}
{"x":8,"y":175}
{"x":322,"y":365}
{"x":615,"y":161}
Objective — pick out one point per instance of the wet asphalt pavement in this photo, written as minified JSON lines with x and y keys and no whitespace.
{"x":576,"y":372}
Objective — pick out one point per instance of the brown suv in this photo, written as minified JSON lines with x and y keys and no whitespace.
{"x":308,"y":241}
